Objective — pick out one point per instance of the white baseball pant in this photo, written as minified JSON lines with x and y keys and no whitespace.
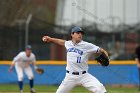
{"x":86,"y":80}
{"x":20,"y":72}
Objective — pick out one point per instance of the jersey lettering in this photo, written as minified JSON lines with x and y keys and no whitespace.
{"x":75,"y":50}
{"x":78,"y":59}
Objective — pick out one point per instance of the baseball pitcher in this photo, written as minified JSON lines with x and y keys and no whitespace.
{"x":78,"y":53}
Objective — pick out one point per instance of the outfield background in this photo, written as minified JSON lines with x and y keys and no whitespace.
{"x":117,"y":73}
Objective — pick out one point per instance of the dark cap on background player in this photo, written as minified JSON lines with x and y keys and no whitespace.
{"x":28,"y":47}
{"x":28,"y":50}
{"x":77,"y":29}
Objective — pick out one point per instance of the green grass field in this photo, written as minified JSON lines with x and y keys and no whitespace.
{"x":13,"y":88}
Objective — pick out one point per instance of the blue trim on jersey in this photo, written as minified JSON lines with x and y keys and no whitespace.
{"x":97,"y":50}
{"x":75,"y":50}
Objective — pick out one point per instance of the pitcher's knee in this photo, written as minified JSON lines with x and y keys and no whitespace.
{"x":62,"y":90}
{"x":100,"y":89}
{"x":58,"y":91}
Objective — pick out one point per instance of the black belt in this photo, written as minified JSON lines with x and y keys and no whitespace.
{"x":76,"y":73}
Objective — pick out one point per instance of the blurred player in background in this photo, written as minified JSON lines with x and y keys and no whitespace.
{"x":137,"y":59}
{"x":78,"y":52}
{"x":22,"y":64}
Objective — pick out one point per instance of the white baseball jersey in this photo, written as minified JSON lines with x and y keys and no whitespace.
{"x":78,"y":54}
{"x":77,"y":58}
{"x":22,"y":60}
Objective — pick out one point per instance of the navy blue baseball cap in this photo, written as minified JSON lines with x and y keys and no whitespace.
{"x":77,"y":29}
{"x":28,"y":47}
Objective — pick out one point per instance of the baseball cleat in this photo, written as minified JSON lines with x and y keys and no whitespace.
{"x":33,"y":91}
{"x":21,"y":91}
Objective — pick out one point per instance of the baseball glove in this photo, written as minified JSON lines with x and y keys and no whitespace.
{"x":103,"y":59}
{"x":39,"y":70}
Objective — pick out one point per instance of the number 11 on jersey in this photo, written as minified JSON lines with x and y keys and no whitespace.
{"x":78,"y":59}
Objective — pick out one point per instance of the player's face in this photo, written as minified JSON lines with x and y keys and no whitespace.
{"x":77,"y":36}
{"x":28,"y":52}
